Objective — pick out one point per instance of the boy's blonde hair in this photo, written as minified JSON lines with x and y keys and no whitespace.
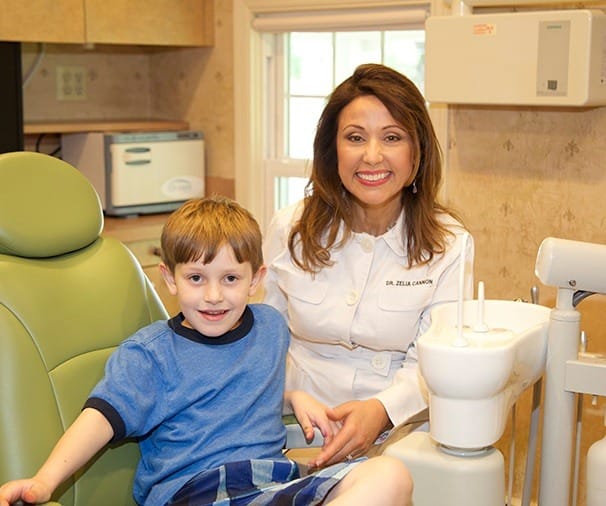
{"x":200,"y":227}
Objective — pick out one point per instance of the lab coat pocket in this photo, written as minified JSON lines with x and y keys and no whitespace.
{"x":304,"y":288}
{"x":408,"y":295}
{"x":309,"y":314}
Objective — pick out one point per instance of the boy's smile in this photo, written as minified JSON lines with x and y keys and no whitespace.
{"x":213,"y":296}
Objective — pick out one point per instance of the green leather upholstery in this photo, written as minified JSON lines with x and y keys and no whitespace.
{"x":68,"y":296}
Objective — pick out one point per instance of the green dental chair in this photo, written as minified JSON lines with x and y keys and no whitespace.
{"x":67,"y":298}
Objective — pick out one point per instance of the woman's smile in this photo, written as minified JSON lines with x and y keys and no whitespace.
{"x":373,"y":178}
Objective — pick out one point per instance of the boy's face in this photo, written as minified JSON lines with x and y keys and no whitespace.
{"x":213,"y":296}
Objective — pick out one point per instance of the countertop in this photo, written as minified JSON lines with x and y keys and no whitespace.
{"x":98,"y":125}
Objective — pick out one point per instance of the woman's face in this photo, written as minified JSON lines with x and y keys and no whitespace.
{"x":374,"y":153}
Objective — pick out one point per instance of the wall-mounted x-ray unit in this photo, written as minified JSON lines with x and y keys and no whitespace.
{"x":549,"y":58}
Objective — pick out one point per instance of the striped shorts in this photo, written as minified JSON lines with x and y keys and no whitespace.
{"x":260,"y":483}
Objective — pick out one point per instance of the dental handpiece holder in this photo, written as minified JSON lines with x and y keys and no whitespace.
{"x":475,"y":361}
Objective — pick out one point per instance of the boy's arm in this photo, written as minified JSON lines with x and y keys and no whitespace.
{"x":82,"y":440}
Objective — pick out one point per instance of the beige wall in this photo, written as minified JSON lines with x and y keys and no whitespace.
{"x":517,"y":175}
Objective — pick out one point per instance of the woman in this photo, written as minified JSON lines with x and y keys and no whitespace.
{"x":357,"y":266}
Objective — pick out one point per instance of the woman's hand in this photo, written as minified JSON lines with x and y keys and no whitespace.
{"x":311,"y":413}
{"x":361,"y":423}
{"x":30,"y":491}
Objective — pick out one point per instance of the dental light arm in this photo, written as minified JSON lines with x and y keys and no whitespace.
{"x":576,"y":269}
{"x":572,"y":264}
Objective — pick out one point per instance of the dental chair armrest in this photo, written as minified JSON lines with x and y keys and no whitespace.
{"x":295,"y":437}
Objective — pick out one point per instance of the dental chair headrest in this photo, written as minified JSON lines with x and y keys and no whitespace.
{"x":47,"y":207}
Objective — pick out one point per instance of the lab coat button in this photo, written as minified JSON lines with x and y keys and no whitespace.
{"x":367,"y":245}
{"x":352,"y":298}
{"x":379,"y":362}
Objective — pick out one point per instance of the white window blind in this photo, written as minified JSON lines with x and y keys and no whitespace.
{"x":342,"y":20}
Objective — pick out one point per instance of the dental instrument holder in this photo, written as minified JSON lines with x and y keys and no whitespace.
{"x":471,"y":389}
{"x":572,"y":267}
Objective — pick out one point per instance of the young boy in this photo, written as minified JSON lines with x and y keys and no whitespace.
{"x":203,"y":392}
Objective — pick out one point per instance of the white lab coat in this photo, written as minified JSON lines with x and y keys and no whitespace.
{"x":354,"y":324}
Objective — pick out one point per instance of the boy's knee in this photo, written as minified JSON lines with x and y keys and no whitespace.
{"x":395,"y":475}
{"x":389,"y":478}
{"x":382,"y":480}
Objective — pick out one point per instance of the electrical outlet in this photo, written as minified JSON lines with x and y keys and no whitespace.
{"x":71,"y":82}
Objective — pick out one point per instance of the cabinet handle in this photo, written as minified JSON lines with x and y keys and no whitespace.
{"x":137,"y":162}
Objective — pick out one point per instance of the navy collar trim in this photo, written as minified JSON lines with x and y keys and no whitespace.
{"x":245,"y":326}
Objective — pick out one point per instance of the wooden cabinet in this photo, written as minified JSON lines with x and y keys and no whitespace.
{"x":153,"y":22}
{"x":42,"y":21}
{"x":137,"y":22}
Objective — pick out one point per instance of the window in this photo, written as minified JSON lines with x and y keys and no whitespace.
{"x":316,"y":62}
{"x":302,"y":70}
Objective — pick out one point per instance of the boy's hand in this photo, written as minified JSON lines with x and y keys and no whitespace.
{"x":361,"y":423}
{"x":311,"y":413}
{"x":30,"y":491}
{"x":90,"y":432}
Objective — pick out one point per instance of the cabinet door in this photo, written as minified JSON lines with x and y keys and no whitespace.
{"x":153,"y":22}
{"x":42,"y":21}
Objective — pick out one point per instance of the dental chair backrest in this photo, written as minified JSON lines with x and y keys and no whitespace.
{"x":68,"y":297}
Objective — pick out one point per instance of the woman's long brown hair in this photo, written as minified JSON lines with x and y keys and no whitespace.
{"x":327,"y":204}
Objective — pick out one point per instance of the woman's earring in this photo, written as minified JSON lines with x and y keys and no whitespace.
{"x":414,"y":186}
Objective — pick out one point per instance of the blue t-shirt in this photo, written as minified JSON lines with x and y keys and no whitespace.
{"x":196,"y":402}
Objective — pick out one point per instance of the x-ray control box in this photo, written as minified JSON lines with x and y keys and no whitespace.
{"x":551,"y":58}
